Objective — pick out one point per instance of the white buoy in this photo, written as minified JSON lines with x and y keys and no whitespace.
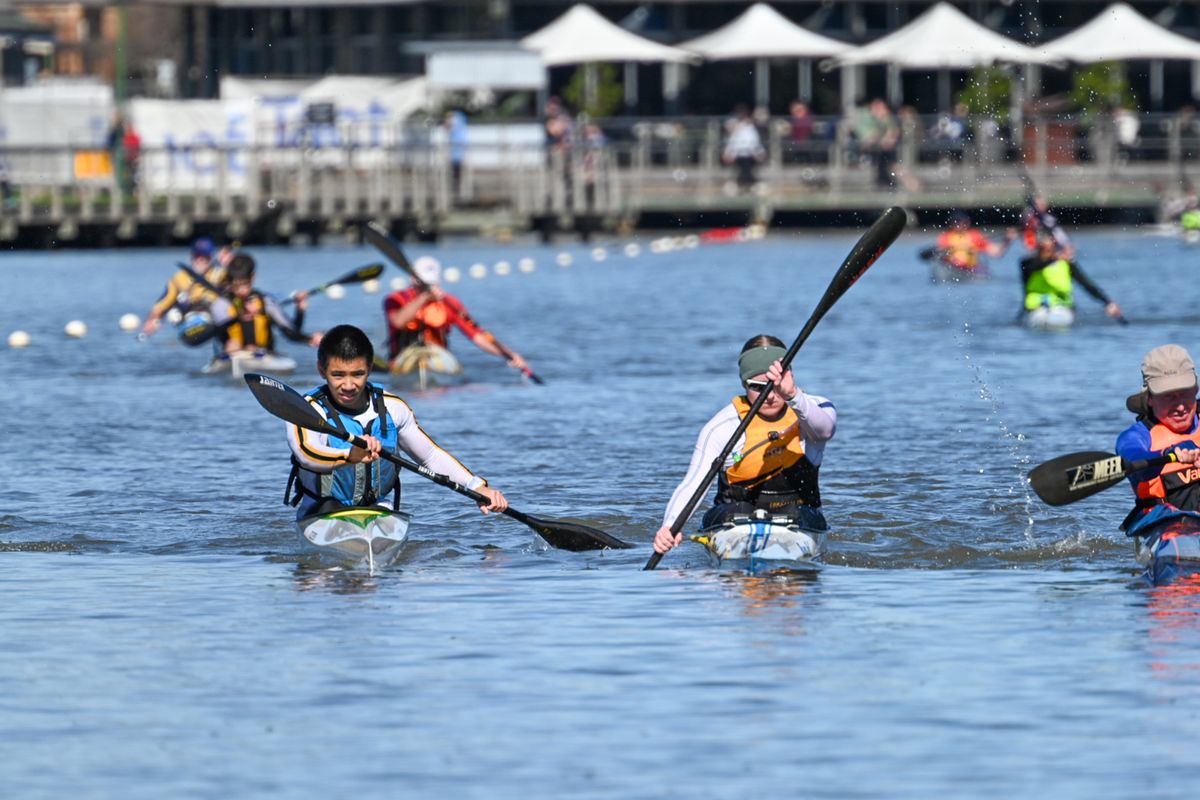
{"x":632,"y":250}
{"x":75,"y":329}
{"x":452,"y":275}
{"x":397,"y":284}
{"x":18,"y":339}
{"x":336,"y":292}
{"x":371,"y":286}
{"x":691,"y":241}
{"x":129,"y":322}
{"x":502,"y":268}
{"x":563,"y":259}
{"x":478,"y":271}
{"x":527,"y":265}
{"x":599,"y":254}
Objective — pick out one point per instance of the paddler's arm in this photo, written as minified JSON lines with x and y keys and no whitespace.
{"x":712,"y":438}
{"x":165,"y":302}
{"x":1077,"y":274}
{"x":817,"y":415}
{"x":402,"y":311}
{"x":285,"y":326}
{"x":418,"y":444}
{"x":315,"y":451}
{"x":486,"y":342}
{"x":1134,"y":445}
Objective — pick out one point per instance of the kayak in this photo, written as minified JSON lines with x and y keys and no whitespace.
{"x":425,"y":365}
{"x":1167,"y":542}
{"x":764,"y":541}
{"x":1049,"y":318}
{"x":943,"y":272}
{"x":239,"y":363}
{"x":358,"y":535}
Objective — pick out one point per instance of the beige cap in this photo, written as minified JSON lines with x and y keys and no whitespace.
{"x":1168,"y":369}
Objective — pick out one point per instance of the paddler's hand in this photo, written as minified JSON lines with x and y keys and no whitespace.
{"x":1187,"y":455}
{"x":517,"y":362}
{"x":150,"y":326}
{"x":496,"y":501}
{"x":1113,"y":310}
{"x":785,"y":384}
{"x":301,"y":299}
{"x":360,"y":455}
{"x":315,"y":339}
{"x":664,"y":540}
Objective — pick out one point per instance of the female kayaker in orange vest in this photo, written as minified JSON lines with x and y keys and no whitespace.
{"x":774,"y":465}
{"x":1167,"y":423}
{"x":963,"y":246}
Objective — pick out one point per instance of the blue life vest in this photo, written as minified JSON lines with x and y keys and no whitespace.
{"x":349,"y":484}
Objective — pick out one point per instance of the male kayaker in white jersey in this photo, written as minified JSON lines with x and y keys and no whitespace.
{"x":328,"y":472}
{"x":774,"y":465}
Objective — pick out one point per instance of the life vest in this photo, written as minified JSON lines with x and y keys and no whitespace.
{"x":959,"y":248}
{"x":1049,"y":286}
{"x":350,"y":484}
{"x":431,"y":325}
{"x":770,"y":471}
{"x":251,"y":326}
{"x":1190,"y":220}
{"x":1177,"y":484}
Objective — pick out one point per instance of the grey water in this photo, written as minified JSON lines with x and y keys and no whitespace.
{"x":163,"y":633}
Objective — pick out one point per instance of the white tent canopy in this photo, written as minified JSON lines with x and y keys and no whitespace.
{"x":762,"y":32}
{"x":943,"y":38}
{"x":1118,"y":33}
{"x":583,"y":36}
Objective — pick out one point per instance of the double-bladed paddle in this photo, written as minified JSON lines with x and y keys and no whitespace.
{"x":291,"y":406}
{"x":382,"y":241}
{"x":866,"y":252}
{"x":201,"y":331}
{"x":1075,"y":476}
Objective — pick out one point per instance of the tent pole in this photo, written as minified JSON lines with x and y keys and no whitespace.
{"x":631,"y":85}
{"x":762,"y":83}
{"x":804,"y":80}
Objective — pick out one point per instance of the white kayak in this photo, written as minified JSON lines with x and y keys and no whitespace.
{"x":369,"y":536}
{"x":1049,"y":318}
{"x":245,"y":361}
{"x":747,"y":543}
{"x":425,"y":365}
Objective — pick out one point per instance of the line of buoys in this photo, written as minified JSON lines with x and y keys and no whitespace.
{"x":18,"y":339}
{"x":129,"y":322}
{"x":336,"y":292}
{"x":76,"y":329}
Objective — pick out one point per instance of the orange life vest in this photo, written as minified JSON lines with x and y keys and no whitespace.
{"x":770,"y":470}
{"x":1176,"y":483}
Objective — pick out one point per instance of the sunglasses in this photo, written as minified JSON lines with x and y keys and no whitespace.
{"x":756,"y":386}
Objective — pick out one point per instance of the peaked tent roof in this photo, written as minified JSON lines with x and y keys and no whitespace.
{"x":943,"y":38}
{"x":582,"y":36}
{"x":1118,"y":33}
{"x":762,"y":32}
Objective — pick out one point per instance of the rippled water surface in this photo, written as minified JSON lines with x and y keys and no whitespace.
{"x":165,"y":635}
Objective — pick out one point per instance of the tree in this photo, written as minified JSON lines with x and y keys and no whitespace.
{"x":599,"y":100}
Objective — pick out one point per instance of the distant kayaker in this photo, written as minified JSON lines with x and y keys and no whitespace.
{"x":182,"y":292}
{"x":417,"y":316}
{"x":248,"y":318}
{"x":963,"y":245}
{"x":1049,"y":276}
{"x":1037,"y":219}
{"x":1166,"y":423}
{"x":328,"y":472}
{"x":774,"y":466}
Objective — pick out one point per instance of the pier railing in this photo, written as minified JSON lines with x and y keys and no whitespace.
{"x":665,"y":166}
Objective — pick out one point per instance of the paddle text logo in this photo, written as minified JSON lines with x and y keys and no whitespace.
{"x":274,"y":384}
{"x":1095,"y":473}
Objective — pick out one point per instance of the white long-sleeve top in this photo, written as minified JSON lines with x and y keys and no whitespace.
{"x":314,"y":451}
{"x":818,"y":422}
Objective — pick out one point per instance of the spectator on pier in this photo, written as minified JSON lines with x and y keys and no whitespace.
{"x":1125,"y":128}
{"x":455,"y":124}
{"x":592,"y":161}
{"x":743,"y":149}
{"x":881,"y":136}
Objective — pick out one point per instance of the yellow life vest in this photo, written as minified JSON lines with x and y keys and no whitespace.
{"x":770,"y":470}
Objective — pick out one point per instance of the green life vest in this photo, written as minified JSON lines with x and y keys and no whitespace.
{"x":1049,"y":286}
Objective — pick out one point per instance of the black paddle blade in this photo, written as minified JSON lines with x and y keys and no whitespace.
{"x":286,"y":403}
{"x":382,"y":241}
{"x":1075,"y":476}
{"x":572,"y":536}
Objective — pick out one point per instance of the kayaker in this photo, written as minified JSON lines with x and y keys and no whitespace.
{"x":1166,"y":423}
{"x":963,"y":245}
{"x":425,"y":317}
{"x":182,"y":292}
{"x":248,"y":318}
{"x":774,"y":465}
{"x":1037,"y":219}
{"x":1049,"y":276}
{"x":328,"y":472}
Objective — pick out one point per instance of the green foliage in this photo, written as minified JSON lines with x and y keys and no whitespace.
{"x":987,"y":93}
{"x":609,"y":93}
{"x":1099,"y":88}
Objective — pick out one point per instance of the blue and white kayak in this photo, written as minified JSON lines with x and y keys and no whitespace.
{"x":1167,"y":542}
{"x":369,"y":536}
{"x":761,"y":542}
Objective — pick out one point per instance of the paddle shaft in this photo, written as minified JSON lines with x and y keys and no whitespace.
{"x":865,"y":253}
{"x":384,"y":243}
